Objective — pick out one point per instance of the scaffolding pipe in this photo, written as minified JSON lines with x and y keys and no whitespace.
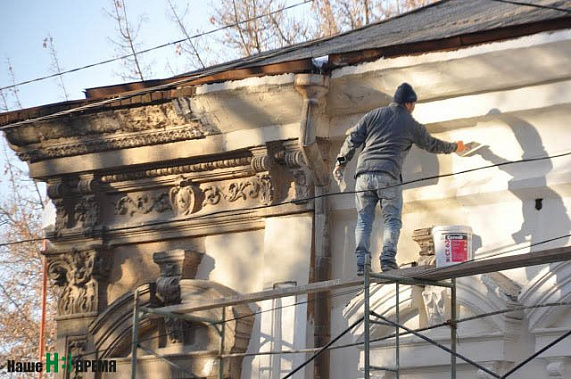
{"x":190,"y":374}
{"x":161,"y":313}
{"x":43,"y":306}
{"x":388,"y":278}
{"x":379,"y":368}
{"x":453,"y":324}
{"x":324,"y":348}
{"x":475,"y":364}
{"x":366,"y":320}
{"x":221,"y":351}
{"x":397,"y":331}
{"x":135,"y":335}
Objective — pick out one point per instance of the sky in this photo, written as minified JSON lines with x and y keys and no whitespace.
{"x":82,"y":33}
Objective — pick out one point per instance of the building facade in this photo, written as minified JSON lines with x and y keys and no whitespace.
{"x":218,"y":184}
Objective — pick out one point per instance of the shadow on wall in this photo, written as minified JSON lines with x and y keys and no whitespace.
{"x":536,"y":195}
{"x":420,"y":164}
{"x":207,"y":265}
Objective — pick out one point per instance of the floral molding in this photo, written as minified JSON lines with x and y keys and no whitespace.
{"x":254,"y":178}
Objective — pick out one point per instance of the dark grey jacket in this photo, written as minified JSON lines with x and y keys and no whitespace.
{"x":387,"y":134}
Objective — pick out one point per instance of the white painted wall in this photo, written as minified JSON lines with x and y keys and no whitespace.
{"x":512,"y":96}
{"x":519,"y":114}
{"x":285,"y":260}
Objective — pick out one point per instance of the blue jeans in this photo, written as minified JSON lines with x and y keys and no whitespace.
{"x":372,"y":188}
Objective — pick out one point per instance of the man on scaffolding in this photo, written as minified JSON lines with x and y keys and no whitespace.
{"x":387,"y":134}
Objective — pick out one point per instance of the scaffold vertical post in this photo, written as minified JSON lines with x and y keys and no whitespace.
{"x":135,"y":335}
{"x":367,"y":319}
{"x":221,"y":350}
{"x":397,"y":331}
{"x":453,"y":324}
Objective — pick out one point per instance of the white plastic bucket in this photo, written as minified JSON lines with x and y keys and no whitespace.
{"x":452,"y":244}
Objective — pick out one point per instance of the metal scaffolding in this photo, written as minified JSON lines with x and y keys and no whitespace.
{"x":397,"y":324}
{"x":423,"y":275}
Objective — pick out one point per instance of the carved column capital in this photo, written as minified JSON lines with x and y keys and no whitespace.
{"x":172,"y":265}
{"x":57,"y":189}
{"x":77,"y":206}
{"x":260,"y":163}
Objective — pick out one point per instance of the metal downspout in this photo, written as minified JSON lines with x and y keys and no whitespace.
{"x":312,"y":89}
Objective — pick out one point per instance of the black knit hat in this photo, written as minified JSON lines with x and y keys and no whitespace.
{"x":405,"y":94}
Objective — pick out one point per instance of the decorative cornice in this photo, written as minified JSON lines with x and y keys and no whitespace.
{"x":106,"y":130}
{"x":111,"y":143}
{"x":178,"y":170}
{"x":249,"y":179}
{"x":108,"y":122}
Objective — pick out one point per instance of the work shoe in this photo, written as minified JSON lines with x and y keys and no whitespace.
{"x":388,"y":266}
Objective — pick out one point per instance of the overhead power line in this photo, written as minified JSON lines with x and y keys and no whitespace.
{"x":212,"y":31}
{"x":331,"y":194}
{"x":111,"y":60}
{"x":204,"y":73}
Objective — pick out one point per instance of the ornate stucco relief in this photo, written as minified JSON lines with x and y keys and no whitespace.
{"x":76,"y":277}
{"x":259,"y":187}
{"x":110,"y":143}
{"x":186,"y":198}
{"x":110,"y":130}
{"x":142,"y":204}
{"x":77,"y":205}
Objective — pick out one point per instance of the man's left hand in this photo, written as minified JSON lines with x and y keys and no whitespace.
{"x":338,"y":175}
{"x":338,"y":172}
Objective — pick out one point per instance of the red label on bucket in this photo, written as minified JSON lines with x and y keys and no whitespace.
{"x":456,"y":248}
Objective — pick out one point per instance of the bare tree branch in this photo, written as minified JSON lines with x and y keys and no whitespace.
{"x":126,"y":42}
{"x":183,"y":29}
{"x":55,"y":65}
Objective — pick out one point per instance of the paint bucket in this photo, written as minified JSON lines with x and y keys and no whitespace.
{"x":452,"y":244}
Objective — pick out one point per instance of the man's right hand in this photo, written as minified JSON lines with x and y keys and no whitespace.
{"x":460,"y":147}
